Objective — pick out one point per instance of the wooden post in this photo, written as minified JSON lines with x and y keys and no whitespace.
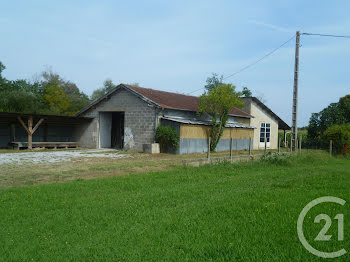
{"x":231,"y":147}
{"x":30,"y":130}
{"x":291,"y":145}
{"x":12,"y":132}
{"x":250,"y":146}
{"x":30,"y":133}
{"x":330,"y":148}
{"x":300,"y":141}
{"x":208,"y":149}
{"x":279,"y":145}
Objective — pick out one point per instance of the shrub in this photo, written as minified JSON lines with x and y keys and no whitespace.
{"x":340,"y":136}
{"x":276,"y":159}
{"x":167,"y":137}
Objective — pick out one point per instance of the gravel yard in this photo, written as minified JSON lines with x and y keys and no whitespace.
{"x":58,"y":156}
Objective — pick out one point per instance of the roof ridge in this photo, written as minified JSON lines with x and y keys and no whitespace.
{"x":157,"y":90}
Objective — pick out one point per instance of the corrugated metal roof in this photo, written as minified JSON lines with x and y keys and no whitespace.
{"x":203,"y":122}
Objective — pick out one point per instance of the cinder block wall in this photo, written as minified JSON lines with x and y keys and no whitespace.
{"x":139,"y":120}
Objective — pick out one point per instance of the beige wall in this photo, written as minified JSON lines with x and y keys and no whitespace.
{"x":261,"y":116}
{"x":201,"y":131}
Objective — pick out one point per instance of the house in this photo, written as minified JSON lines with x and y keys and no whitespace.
{"x":265,"y":122}
{"x":128,"y":116}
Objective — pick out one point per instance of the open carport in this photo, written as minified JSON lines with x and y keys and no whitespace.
{"x":31,"y":130}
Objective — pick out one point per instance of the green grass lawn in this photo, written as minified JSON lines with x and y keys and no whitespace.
{"x":224,"y":212}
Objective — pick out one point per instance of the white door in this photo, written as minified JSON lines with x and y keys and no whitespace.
{"x":265,"y":133}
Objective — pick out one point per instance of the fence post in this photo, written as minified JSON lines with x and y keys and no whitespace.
{"x":265,"y":144}
{"x":279,"y":145}
{"x":231,"y":145}
{"x":208,"y":149}
{"x":250,"y":146}
{"x":300,"y":142}
{"x":330,"y":148}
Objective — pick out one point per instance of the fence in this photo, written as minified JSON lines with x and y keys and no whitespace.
{"x":231,"y":158}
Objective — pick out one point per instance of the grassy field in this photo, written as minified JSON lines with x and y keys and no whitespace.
{"x":224,"y":212}
{"x":82,"y":169}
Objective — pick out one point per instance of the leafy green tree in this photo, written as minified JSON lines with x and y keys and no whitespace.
{"x":22,"y":96}
{"x":214,"y":81}
{"x":340,"y":136}
{"x":246,"y":92}
{"x":108,"y":86}
{"x":97,"y":94}
{"x":334,"y":114}
{"x":57,"y":100}
{"x":77,"y":99}
{"x":344,"y":104}
{"x":218,"y":102}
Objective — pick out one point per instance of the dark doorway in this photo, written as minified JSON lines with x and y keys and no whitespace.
{"x":117,"y":134}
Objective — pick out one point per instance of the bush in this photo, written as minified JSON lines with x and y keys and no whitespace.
{"x":276,"y":159}
{"x":167,"y":137}
{"x":340,"y":136}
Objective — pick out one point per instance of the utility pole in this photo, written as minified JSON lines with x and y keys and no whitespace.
{"x":294,"y":139}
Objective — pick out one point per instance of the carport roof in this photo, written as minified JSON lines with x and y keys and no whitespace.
{"x":6,"y":117}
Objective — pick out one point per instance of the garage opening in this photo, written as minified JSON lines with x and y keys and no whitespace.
{"x":117,"y":136}
{"x":112,"y":130}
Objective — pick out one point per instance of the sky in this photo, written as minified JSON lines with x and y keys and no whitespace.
{"x":175,"y":45}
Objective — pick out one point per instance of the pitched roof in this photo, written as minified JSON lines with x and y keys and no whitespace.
{"x":281,"y":124}
{"x":164,"y":99}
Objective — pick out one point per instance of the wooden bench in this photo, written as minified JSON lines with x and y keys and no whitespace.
{"x":54,"y":145}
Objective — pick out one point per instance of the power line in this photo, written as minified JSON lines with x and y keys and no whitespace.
{"x":342,"y":36}
{"x":262,"y":58}
{"x":254,"y":63}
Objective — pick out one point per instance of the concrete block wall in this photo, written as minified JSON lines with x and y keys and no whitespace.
{"x":139,"y":121}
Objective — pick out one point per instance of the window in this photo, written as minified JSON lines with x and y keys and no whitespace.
{"x":265,"y":130}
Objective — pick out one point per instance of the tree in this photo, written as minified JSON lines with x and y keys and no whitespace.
{"x":108,"y":86}
{"x":246,"y":92}
{"x":344,"y":104}
{"x":23,"y":96}
{"x":334,"y":114}
{"x":340,"y":136}
{"x":214,"y":81}
{"x":218,"y":102}
{"x":57,"y":100}
{"x":77,"y":99}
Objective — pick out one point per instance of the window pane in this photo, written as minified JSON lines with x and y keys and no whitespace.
{"x":267,"y":134}
{"x":267,"y":125}
{"x":262,"y":130}
{"x":267,"y":130}
{"x":262,"y":124}
{"x":268,"y":139}
{"x":261,"y":140}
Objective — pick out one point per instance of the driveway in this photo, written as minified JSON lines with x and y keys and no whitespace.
{"x":59,"y":156}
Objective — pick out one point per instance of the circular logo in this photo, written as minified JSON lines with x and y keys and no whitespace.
{"x":321,"y":235}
